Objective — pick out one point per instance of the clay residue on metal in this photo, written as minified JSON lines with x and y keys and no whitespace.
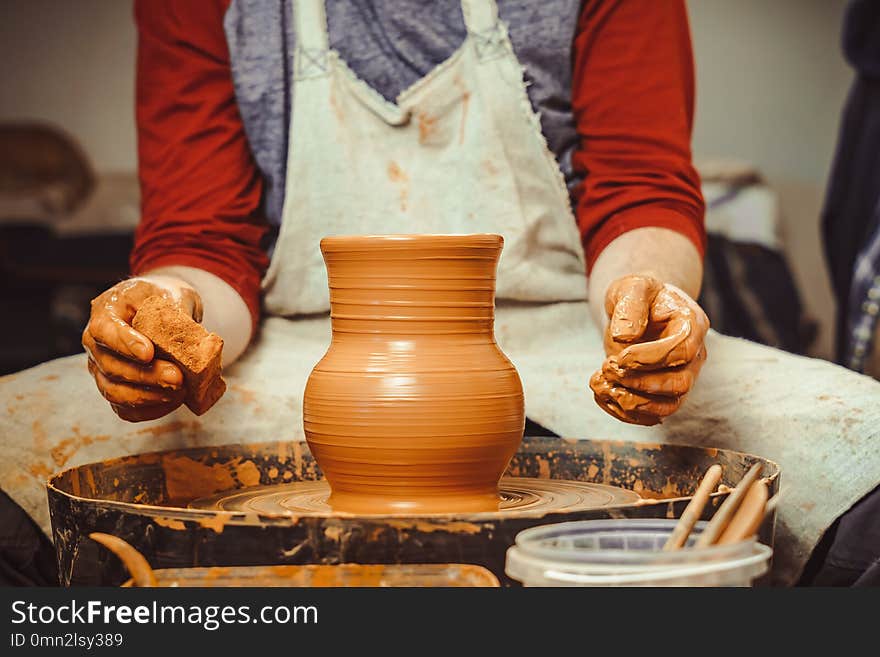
{"x":186,"y":478}
{"x":216,"y":522}
{"x":428,"y":527}
{"x":170,"y":523}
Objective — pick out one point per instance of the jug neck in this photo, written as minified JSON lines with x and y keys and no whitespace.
{"x":412,"y":285}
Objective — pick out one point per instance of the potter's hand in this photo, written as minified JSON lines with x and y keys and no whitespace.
{"x":138,"y":386}
{"x":654,"y":343}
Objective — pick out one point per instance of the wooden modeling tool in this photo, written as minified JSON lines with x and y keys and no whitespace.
{"x":694,"y":509}
{"x":748,"y":517}
{"x":725,"y":513}
{"x":141,"y":573}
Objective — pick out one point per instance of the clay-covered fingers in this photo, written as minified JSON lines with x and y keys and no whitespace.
{"x":631,"y":406}
{"x":112,"y":311}
{"x":670,"y":382}
{"x":678,"y":326}
{"x":113,"y":333}
{"x":137,"y":392}
{"x":628,"y":304}
{"x":655,"y":347}
{"x":127,"y":394}
{"x":676,"y":345}
{"x":644,"y":397}
{"x":157,"y":373}
{"x":122,"y":361}
{"x":136,"y":403}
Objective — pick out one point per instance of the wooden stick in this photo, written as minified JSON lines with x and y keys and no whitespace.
{"x":694,"y":509}
{"x":772,"y":503}
{"x":134,"y":561}
{"x":722,"y":517}
{"x":748,"y":517}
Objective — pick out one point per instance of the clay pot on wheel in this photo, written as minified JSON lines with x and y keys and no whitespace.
{"x":414,"y":408}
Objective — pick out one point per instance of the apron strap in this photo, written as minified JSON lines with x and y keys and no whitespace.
{"x":487,"y":33}
{"x":480,"y":16}
{"x":312,"y":41}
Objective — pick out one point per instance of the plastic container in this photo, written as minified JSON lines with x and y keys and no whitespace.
{"x":629,"y":553}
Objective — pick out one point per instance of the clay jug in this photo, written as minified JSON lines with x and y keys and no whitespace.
{"x":414,"y":408}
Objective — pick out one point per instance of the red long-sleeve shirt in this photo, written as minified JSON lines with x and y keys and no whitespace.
{"x":632,"y":100}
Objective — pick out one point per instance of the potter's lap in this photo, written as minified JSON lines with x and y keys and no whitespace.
{"x":761,"y":395}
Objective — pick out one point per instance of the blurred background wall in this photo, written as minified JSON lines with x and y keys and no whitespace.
{"x":72,"y":64}
{"x":771,"y":83}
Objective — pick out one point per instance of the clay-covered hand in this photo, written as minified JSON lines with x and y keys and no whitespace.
{"x":138,"y":386}
{"x":655,"y":347}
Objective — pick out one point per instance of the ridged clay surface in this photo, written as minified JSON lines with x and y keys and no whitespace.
{"x":414,"y":408}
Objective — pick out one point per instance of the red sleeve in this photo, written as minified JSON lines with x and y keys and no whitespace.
{"x":633,"y":102}
{"x":200,"y":188}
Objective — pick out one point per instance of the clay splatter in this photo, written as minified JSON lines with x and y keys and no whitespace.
{"x":65,"y":449}
{"x":465,"y":103}
{"x":186,"y":478}
{"x":398,"y":176}
{"x":217,"y":523}
{"x":171,"y":523}
{"x":172,"y":427}
{"x":427,"y":126}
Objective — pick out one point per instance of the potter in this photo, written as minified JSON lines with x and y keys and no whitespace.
{"x":562,"y":126}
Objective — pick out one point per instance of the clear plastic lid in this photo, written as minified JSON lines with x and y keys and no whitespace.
{"x":621,"y":552}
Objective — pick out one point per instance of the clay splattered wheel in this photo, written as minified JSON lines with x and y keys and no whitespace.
{"x":518,"y":494}
{"x":129,"y":497}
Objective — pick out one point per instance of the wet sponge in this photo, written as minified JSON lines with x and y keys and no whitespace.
{"x":184,"y":341}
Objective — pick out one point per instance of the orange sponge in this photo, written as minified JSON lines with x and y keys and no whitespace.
{"x":181,"y":339}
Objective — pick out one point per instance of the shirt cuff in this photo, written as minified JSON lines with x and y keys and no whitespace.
{"x":647,"y":216}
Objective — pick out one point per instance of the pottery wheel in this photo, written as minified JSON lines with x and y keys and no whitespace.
{"x":517,"y":494}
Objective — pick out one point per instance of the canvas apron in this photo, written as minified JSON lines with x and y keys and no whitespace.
{"x":459,"y":151}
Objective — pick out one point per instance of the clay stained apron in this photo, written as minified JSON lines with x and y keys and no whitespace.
{"x":460,"y":151}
